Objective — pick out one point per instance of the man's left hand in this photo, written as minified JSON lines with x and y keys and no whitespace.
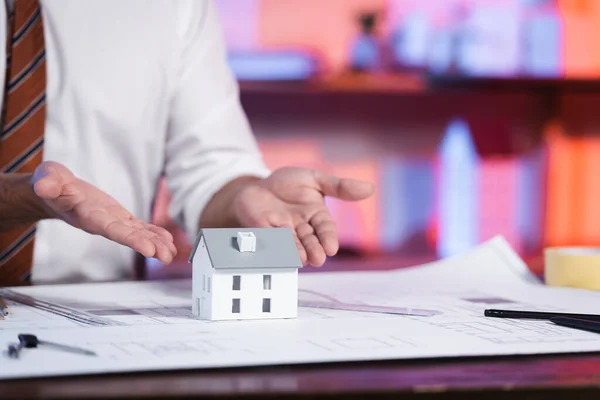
{"x":295,"y":197}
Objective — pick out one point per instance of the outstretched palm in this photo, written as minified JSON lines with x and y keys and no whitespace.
{"x":295,"y":197}
{"x":86,"y":207}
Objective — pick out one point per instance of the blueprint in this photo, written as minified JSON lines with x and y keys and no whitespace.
{"x":148,"y":325}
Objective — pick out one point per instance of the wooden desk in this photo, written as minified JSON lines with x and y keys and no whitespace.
{"x":572,"y":377}
{"x":548,"y":377}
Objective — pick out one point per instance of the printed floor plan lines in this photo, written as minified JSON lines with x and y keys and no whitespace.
{"x":362,"y":343}
{"x":179,"y":346}
{"x":474,"y":328}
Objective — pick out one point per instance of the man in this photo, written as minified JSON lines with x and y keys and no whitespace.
{"x":102,"y":97}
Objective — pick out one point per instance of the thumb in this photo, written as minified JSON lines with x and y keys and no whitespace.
{"x":49,"y":178}
{"x":343,"y":188}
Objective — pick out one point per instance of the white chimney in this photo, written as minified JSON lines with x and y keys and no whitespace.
{"x":246,"y":241}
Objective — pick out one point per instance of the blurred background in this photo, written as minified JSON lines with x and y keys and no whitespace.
{"x":474,"y":118}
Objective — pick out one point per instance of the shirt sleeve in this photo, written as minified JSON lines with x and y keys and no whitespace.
{"x":209,"y":140}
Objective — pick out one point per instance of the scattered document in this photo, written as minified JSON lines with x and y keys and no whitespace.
{"x":148,"y":326}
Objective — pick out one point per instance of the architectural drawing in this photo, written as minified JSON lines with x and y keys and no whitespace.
{"x":158,"y":331}
{"x":245,"y":274}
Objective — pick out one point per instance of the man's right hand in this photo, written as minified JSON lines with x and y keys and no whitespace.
{"x":86,"y":207}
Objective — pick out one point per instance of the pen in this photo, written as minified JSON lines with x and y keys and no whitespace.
{"x":537,"y":314}
{"x":3,"y":307}
{"x":590,"y":326}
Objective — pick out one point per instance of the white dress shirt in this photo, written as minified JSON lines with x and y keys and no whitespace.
{"x":136,"y":88}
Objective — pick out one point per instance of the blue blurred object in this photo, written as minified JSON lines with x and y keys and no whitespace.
{"x":365,"y":53}
{"x":440,"y":57}
{"x":407,"y":201}
{"x":490,"y":41}
{"x":543,"y":31}
{"x":269,"y":66}
{"x":530,"y":214}
{"x":412,"y":40}
{"x":446,"y":42}
{"x":458,"y":195}
{"x":393,"y":223}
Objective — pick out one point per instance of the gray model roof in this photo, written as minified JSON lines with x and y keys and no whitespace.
{"x":275,"y":248}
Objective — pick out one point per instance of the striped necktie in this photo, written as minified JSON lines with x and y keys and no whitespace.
{"x":22,"y":133}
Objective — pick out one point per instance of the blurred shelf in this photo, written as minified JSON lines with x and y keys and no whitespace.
{"x":415,"y":84}
{"x":525,"y":83}
{"x":345,"y":83}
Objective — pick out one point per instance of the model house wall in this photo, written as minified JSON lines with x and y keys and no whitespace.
{"x":242,"y":293}
{"x":202,"y":288}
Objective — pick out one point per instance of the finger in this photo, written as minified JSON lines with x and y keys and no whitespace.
{"x":165,"y":237}
{"x":160,"y":231}
{"x":60,"y":196}
{"x":166,"y":244}
{"x":124,"y":234}
{"x":158,"y":236}
{"x":130,"y":237}
{"x":162,"y":252}
{"x":343,"y":188}
{"x":151,"y":230}
{"x":326,"y":230}
{"x":47,"y":183}
{"x":56,"y":168}
{"x":314,"y":250}
{"x":304,"y":229}
{"x":47,"y":188}
{"x":49,"y":178}
{"x":301,"y":250}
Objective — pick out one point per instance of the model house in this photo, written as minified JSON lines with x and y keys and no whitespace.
{"x":245,"y":274}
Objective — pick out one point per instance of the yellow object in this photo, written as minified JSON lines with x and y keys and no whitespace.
{"x":576,"y":267}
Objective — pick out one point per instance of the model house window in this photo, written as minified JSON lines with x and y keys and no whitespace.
{"x":208,"y":286}
{"x":237,"y":282}
{"x":267,"y":282}
{"x":235,"y":306}
{"x":204,"y":282}
{"x":266,"y":305}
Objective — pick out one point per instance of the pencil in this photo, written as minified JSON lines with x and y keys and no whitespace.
{"x":590,"y":326}
{"x":538,"y":314}
{"x":3,"y":307}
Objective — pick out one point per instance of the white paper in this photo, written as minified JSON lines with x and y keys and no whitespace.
{"x":159,"y":332}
